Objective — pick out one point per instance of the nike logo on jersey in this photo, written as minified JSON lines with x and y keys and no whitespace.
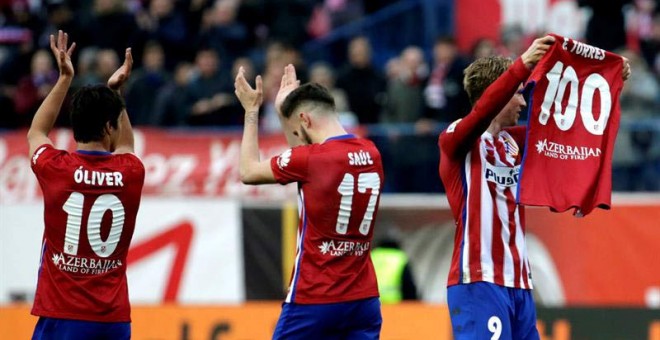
{"x":37,"y":154}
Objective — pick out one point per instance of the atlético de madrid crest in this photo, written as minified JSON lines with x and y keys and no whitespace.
{"x":510,"y":146}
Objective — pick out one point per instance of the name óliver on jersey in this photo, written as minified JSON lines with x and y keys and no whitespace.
{"x":573,"y":122}
{"x":340,"y":182}
{"x":91,"y":201}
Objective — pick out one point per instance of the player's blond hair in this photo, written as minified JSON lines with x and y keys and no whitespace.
{"x":481,"y":73}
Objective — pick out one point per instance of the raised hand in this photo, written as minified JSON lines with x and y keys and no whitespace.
{"x":289,"y":83}
{"x":250,"y":98}
{"x":537,"y":50}
{"x":626,"y":68}
{"x":123,"y":72}
{"x":62,"y":54}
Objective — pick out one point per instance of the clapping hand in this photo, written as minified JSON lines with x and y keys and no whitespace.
{"x":62,"y":54}
{"x":123,"y":72}
{"x":289,"y":83}
{"x":250,"y":98}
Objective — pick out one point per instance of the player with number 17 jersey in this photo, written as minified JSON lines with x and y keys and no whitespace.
{"x":340,"y":181}
{"x":91,"y":199}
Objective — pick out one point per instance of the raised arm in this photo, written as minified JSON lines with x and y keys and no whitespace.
{"x":48,"y":111}
{"x":125,"y":141}
{"x":289,"y":83}
{"x":460,"y":136}
{"x":252,"y":170}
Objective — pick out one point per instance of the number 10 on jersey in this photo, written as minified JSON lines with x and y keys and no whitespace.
{"x":367,"y":180}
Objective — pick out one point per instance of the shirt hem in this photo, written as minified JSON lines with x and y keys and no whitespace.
{"x":80,"y":317}
{"x":311,"y":301}
{"x":454,"y":283}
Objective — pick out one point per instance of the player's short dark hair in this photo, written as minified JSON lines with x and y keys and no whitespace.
{"x":481,"y":73}
{"x":310,"y":93}
{"x":92,"y":107}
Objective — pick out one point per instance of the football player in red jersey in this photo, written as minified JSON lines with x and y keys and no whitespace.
{"x":333,"y":291}
{"x":489,"y":286}
{"x":91,"y":199}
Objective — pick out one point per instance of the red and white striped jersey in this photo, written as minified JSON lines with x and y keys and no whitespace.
{"x":480,"y":174}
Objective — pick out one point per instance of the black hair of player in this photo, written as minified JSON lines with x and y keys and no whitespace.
{"x":92,"y":107}
{"x":311,"y":93}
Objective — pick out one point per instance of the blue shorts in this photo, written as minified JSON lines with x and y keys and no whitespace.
{"x":63,"y":329}
{"x":484,"y":310}
{"x":359,"y":319}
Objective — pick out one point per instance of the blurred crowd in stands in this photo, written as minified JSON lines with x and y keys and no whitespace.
{"x":187,"y":52}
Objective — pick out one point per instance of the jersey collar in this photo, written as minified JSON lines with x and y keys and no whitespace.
{"x":94,"y":153}
{"x":340,"y":137}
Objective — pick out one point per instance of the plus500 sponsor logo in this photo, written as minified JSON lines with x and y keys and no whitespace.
{"x":502,"y":175}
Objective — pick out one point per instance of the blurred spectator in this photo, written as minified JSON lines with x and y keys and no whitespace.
{"x":513,"y":41}
{"x":634,"y":152}
{"x":405,"y":87}
{"x":112,"y":27}
{"x":61,"y":17}
{"x":410,"y":159}
{"x":286,"y":20}
{"x":222,"y":32}
{"x":445,"y":98}
{"x":395,"y":279}
{"x":342,"y":12}
{"x":145,"y":83}
{"x":323,"y":74}
{"x":33,"y":88}
{"x":649,"y":36}
{"x":86,"y":68}
{"x":106,"y":64}
{"x":482,"y":48}
{"x":277,"y":56}
{"x":170,"y":105}
{"x":235,"y":109}
{"x":606,"y":27}
{"x":16,"y":51}
{"x":161,"y":22}
{"x":639,"y":96}
{"x":272,"y":77}
{"x":210,"y":93}
{"x":364,"y":85}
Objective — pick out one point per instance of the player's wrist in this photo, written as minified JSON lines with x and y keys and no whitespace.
{"x":251,"y":116}
{"x":65,"y":77}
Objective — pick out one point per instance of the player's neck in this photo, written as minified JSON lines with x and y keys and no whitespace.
{"x":494,"y":128}
{"x":333,"y":129}
{"x":93,"y":146}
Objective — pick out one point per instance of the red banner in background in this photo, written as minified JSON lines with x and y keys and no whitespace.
{"x":605,"y":258}
{"x":476,"y":19}
{"x":186,"y":163}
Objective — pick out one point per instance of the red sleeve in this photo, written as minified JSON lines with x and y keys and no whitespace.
{"x":42,"y":156}
{"x":519,"y":134}
{"x":291,"y":165}
{"x":460,"y":135}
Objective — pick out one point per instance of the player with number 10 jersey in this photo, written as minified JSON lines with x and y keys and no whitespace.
{"x":339,"y":185}
{"x":91,"y":199}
